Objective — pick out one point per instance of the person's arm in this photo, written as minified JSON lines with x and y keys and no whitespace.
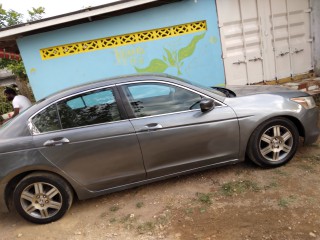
{"x":15,"y":112}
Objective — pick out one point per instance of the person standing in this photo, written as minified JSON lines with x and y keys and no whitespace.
{"x":19,"y":102}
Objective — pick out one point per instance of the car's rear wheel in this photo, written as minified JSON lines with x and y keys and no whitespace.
{"x":42,"y":197}
{"x":273,"y":143}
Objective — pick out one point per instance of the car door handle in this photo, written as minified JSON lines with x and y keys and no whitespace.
{"x":56,"y":142}
{"x":151,"y":127}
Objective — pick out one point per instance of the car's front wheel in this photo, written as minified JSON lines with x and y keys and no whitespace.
{"x":42,"y":197}
{"x":273,"y":143}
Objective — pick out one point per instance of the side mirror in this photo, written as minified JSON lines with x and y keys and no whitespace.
{"x":207,"y":104}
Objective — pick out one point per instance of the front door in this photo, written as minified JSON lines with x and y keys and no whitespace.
{"x":174,"y":134}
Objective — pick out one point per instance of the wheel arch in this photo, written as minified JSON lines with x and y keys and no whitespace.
{"x":8,"y":193}
{"x":297,"y":123}
{"x":294,"y":121}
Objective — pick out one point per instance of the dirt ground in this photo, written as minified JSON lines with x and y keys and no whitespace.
{"x":234,"y":202}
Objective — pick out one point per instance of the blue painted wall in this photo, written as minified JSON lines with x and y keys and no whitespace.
{"x":204,"y":66}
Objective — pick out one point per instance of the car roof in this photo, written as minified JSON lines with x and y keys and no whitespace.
{"x":112,"y":81}
{"x":20,"y":121}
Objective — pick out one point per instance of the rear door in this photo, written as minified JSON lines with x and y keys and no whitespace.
{"x":91,"y":142}
{"x":174,"y":134}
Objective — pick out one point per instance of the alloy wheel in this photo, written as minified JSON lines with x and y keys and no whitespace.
{"x":276,"y":143}
{"x":41,"y":200}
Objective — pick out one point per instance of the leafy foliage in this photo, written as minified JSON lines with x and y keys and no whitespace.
{"x":36,"y":14}
{"x":16,"y":67}
{"x":4,"y":105}
{"x":10,"y":18}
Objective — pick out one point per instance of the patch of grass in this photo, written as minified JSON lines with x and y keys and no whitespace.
{"x":271,"y":185}
{"x":146,"y":227}
{"x":114,"y":208}
{"x":239,"y":172}
{"x":284,"y":202}
{"x":128,"y":221}
{"x":125,"y":219}
{"x":237,"y":187}
{"x":139,"y":204}
{"x":202,"y":210}
{"x":163,"y":218}
{"x":280,"y":172}
{"x":189,"y":211}
{"x":103,"y":215}
{"x":169,"y":207}
{"x":204,"y":198}
{"x":112,"y":220}
{"x":306,"y":167}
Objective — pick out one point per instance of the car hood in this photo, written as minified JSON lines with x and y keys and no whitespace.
{"x":264,"y":89}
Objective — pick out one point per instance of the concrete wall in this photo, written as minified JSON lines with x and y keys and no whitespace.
{"x":203,"y":63}
{"x":315,"y":4}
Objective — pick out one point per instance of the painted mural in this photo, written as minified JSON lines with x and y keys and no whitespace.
{"x":172,"y":58}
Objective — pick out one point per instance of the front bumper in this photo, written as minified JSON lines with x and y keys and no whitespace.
{"x":311,"y":126}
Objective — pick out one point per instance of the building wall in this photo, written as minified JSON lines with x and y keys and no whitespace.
{"x":316,"y":34}
{"x":193,"y":56}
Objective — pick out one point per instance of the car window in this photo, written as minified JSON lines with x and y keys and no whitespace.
{"x":147,"y":91}
{"x":89,"y":108}
{"x":47,"y":120}
{"x":147,"y":99}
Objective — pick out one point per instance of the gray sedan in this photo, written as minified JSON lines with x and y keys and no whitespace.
{"x":123,"y":132}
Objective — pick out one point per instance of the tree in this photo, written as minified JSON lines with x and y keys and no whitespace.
{"x":36,"y":14}
{"x":10,"y":18}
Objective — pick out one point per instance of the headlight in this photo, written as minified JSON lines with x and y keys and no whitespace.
{"x":306,"y":102}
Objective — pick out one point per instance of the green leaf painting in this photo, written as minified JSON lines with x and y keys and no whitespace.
{"x":172,"y":58}
{"x":188,"y":50}
{"x":156,"y":65}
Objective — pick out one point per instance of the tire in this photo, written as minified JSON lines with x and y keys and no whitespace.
{"x":42,"y":198}
{"x":273,"y":143}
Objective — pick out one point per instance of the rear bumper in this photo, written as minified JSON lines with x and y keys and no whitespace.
{"x":311,"y":126}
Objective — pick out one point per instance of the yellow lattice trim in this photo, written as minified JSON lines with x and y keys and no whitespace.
{"x":122,"y":40}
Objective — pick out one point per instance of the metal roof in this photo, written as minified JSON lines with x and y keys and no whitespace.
{"x":8,"y":36}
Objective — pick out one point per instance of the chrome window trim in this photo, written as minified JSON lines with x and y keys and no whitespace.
{"x":31,"y":125}
{"x":164,"y":114}
{"x":174,"y":84}
{"x":34,"y":131}
{"x":66,"y":129}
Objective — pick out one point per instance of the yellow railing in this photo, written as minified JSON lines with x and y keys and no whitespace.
{"x":121,"y":40}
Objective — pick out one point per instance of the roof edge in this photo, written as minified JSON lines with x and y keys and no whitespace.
{"x":72,"y":16}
